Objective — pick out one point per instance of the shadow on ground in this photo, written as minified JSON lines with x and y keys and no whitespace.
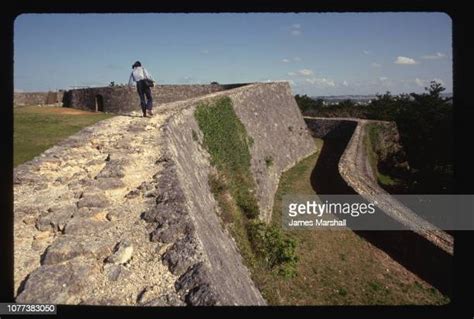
{"x":411,"y":250}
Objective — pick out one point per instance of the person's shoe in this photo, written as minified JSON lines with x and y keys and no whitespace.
{"x":150,"y":113}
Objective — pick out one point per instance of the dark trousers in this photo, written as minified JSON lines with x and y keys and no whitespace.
{"x":144,"y":92}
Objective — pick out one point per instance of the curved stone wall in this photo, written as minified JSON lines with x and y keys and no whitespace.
{"x":124,"y":99}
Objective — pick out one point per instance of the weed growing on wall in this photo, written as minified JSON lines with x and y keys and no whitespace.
{"x":263,"y":247}
{"x":226,"y":140}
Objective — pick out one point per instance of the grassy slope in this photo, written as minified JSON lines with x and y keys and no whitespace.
{"x":38,"y":128}
{"x":337,"y":267}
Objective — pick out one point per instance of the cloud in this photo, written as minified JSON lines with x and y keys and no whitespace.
{"x":420,"y":82}
{"x":295,"y":59}
{"x":305,"y":72}
{"x":345,"y":83}
{"x":291,"y":73}
{"x":436,"y":56}
{"x":424,"y":83}
{"x":321,"y":82}
{"x":204,"y":51}
{"x":383,"y":78}
{"x":404,"y":60}
{"x":295,"y":29}
{"x":367,"y":52}
{"x":375,"y":65}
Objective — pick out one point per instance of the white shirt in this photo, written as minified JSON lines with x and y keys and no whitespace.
{"x":139,"y":73}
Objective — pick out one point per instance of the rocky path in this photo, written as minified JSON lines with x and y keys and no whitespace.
{"x":79,"y":234}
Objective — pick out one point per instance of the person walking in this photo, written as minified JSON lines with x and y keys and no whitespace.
{"x":141,"y":76}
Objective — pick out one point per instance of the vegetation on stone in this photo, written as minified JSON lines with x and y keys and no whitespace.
{"x":227,"y":142}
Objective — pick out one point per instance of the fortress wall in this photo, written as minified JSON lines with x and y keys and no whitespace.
{"x":328,"y":128}
{"x":37,"y":98}
{"x":124,"y":99}
{"x":223,"y":269}
{"x":172,"y":198}
{"x":271,"y":117}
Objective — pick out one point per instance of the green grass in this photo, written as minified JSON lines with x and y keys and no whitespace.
{"x":336,"y":267}
{"x":38,"y":128}
{"x":227,"y":142}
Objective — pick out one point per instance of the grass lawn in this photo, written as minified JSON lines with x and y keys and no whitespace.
{"x":38,"y":128}
{"x":337,"y":267}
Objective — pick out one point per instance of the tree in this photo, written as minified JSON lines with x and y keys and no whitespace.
{"x":435,"y":89}
{"x":347,"y":103}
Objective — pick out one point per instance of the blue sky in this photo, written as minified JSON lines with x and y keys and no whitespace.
{"x":318,"y":53}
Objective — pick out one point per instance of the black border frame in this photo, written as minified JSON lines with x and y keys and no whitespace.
{"x":462,"y":301}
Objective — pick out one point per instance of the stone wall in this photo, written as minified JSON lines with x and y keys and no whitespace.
{"x":330,"y":128}
{"x":280,"y":137}
{"x":37,"y":98}
{"x":271,"y":118}
{"x":124,"y":99}
{"x":142,"y":183}
{"x":420,"y":247}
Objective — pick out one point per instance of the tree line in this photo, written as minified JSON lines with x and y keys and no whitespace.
{"x":425,"y":124}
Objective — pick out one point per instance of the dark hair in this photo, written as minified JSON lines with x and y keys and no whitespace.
{"x":136,"y":64}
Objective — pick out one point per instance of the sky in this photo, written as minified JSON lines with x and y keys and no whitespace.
{"x":317,"y":53}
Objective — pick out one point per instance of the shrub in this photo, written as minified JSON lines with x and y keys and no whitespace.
{"x":277,"y":251}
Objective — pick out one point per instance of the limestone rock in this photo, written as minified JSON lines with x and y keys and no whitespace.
{"x":113,"y":168}
{"x":29,"y":220}
{"x":192,"y":278}
{"x":93,"y":200}
{"x":116,"y":272}
{"x":122,"y":254}
{"x":58,"y":284}
{"x":180,"y":256}
{"x":109,"y":183}
{"x":85,"y":226}
{"x":67,"y":247}
{"x":202,"y":296}
{"x":169,"y":300}
{"x":57,"y":219}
